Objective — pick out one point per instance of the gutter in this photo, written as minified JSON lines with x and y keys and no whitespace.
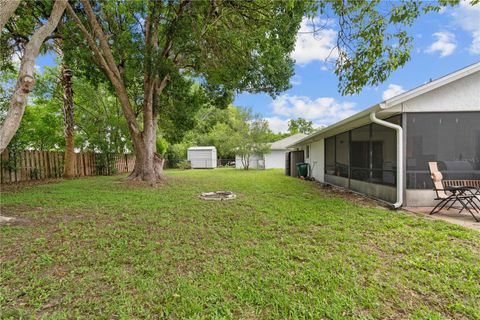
{"x":399,"y":131}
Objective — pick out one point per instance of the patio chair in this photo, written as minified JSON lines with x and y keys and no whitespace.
{"x":451,"y":195}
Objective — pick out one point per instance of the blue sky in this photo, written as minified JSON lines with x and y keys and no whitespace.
{"x":444,"y":42}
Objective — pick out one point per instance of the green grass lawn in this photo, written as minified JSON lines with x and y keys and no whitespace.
{"x":101,"y":248}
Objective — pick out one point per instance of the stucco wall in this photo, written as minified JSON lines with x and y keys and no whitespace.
{"x":256,"y":162}
{"x":460,"y":95}
{"x":378,"y":191}
{"x":317,"y":160}
{"x":419,"y":198}
{"x":275,"y":159}
{"x":338,"y":181}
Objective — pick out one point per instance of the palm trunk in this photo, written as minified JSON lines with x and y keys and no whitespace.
{"x":68,"y":120}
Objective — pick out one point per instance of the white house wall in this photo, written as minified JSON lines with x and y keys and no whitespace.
{"x":316,"y":159}
{"x":275,"y":159}
{"x":255,"y":162}
{"x":460,"y":95}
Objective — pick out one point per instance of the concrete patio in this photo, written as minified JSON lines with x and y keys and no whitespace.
{"x":463,"y":219}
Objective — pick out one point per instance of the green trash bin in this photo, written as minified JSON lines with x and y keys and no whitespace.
{"x":302,"y":169}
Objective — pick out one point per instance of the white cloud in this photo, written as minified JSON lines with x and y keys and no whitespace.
{"x":392,"y":91}
{"x":277,"y":124}
{"x":316,"y":40}
{"x":468,"y":17}
{"x":445,"y":44}
{"x":296,"y":80}
{"x":322,"y":111}
{"x":475,"y":47}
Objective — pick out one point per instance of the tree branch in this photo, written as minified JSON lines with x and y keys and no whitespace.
{"x":26,"y":81}
{"x":8,"y":9}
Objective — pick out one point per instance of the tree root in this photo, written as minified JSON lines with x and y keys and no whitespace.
{"x":139,"y":173}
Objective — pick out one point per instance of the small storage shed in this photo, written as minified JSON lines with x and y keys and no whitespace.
{"x":202,"y":157}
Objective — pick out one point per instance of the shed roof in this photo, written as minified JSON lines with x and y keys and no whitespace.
{"x":202,"y":148}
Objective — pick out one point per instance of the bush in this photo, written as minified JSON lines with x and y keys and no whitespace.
{"x":184,"y":164}
{"x":176,"y":153}
{"x":105,"y":163}
{"x":162,"y":145}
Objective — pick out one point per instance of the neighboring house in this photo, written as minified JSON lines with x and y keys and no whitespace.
{"x":202,"y":157}
{"x":273,"y":160}
{"x":439,"y":121}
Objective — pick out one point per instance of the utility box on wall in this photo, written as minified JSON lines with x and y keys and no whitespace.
{"x":202,"y":157}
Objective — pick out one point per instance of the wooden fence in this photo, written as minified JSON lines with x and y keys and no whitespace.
{"x":40,"y":165}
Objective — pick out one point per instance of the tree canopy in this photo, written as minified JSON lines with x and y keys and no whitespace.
{"x":300,"y":125}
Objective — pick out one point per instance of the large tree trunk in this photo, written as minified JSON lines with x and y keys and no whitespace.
{"x":148,"y":164}
{"x":25,"y":81}
{"x":8,"y":8}
{"x":68,"y":121}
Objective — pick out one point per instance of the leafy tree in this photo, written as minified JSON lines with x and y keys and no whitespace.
{"x":180,"y":104}
{"x":142,"y":47}
{"x":214,"y":126}
{"x":28,"y":16}
{"x":40,"y":128}
{"x":25,"y":80}
{"x":373,"y":37}
{"x":300,"y":125}
{"x":100,"y":126}
{"x":246,"y":135}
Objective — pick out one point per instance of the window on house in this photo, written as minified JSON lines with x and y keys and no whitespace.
{"x":307,"y":152}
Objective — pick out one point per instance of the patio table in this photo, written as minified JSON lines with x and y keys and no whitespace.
{"x":461,"y":190}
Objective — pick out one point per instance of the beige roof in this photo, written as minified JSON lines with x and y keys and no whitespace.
{"x":284,"y":143}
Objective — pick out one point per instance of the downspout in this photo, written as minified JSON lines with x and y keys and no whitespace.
{"x":399,"y":131}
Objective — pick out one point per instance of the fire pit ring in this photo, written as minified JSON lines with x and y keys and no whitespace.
{"x":218,"y":196}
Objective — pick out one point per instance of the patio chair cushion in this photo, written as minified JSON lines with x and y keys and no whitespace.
{"x":437,"y":176}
